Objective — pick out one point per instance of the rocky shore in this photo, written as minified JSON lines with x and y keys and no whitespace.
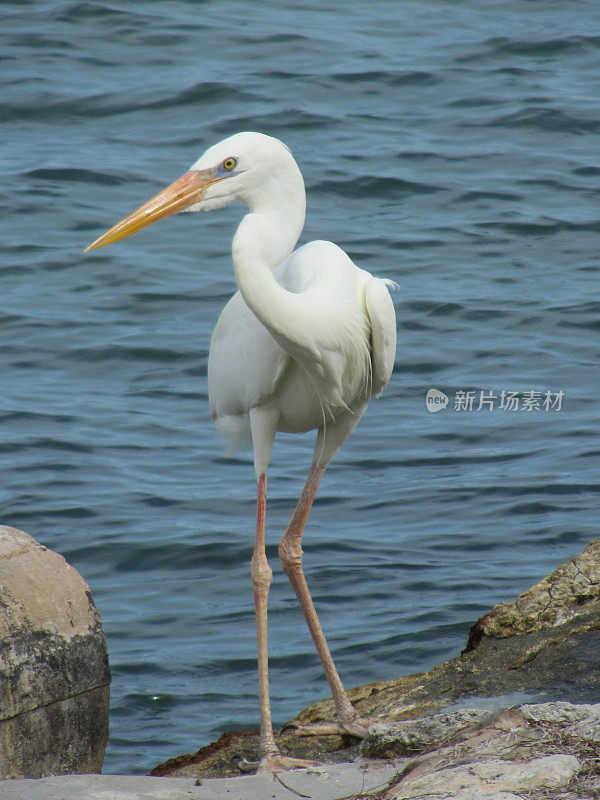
{"x":513,"y":717}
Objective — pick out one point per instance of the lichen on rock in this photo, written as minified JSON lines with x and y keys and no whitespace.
{"x":553,"y":601}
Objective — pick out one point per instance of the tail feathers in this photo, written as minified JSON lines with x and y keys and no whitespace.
{"x":236,"y":430}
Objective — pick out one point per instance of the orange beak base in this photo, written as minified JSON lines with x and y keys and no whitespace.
{"x":181,"y":194}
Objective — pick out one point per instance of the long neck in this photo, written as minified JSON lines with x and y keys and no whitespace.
{"x":265,"y":237}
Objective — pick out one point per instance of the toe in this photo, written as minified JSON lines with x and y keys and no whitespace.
{"x":318,"y":729}
{"x":356,"y":727}
{"x":275,"y":762}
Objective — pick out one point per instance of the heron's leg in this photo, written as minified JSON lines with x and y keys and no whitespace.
{"x":290,"y":552}
{"x":270,"y":758}
{"x":262,"y":575}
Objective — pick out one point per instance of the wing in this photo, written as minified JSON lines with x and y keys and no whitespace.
{"x":380,"y":310}
{"x":244,"y":363}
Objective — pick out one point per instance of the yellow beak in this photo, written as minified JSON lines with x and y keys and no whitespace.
{"x":181,"y":194}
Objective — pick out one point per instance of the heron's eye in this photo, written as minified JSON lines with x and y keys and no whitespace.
{"x":230,"y":163}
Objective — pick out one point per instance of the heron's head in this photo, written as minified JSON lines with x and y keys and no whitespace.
{"x":251,"y":167}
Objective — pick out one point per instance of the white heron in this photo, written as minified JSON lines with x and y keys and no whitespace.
{"x":304,"y":344}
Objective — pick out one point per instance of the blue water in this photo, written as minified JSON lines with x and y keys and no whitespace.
{"x":451,"y":146}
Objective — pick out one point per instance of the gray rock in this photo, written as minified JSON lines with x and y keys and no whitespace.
{"x":577,"y":721}
{"x":54,"y":675}
{"x":468,"y":794}
{"x":561,"y":712}
{"x":490,"y":777}
{"x":588,"y":730}
{"x":534,"y":748}
{"x":334,"y":781}
{"x":522,"y":753}
{"x":386,"y":740}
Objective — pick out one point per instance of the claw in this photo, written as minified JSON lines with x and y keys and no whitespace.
{"x":247,"y":766}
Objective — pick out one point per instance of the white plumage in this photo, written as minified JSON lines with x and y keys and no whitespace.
{"x":304,"y":343}
{"x":351,"y":319}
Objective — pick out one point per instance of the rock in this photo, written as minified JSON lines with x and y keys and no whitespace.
{"x":572,"y":588}
{"x":577,"y":722}
{"x":54,"y":674}
{"x":385,"y":740}
{"x":514,"y":753}
{"x":536,"y":748}
{"x":490,"y":777}
{"x":561,"y":713}
{"x":468,"y":794}
{"x":340,"y":781}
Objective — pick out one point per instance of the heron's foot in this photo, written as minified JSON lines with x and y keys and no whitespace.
{"x":357,"y":727}
{"x":275,"y":762}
